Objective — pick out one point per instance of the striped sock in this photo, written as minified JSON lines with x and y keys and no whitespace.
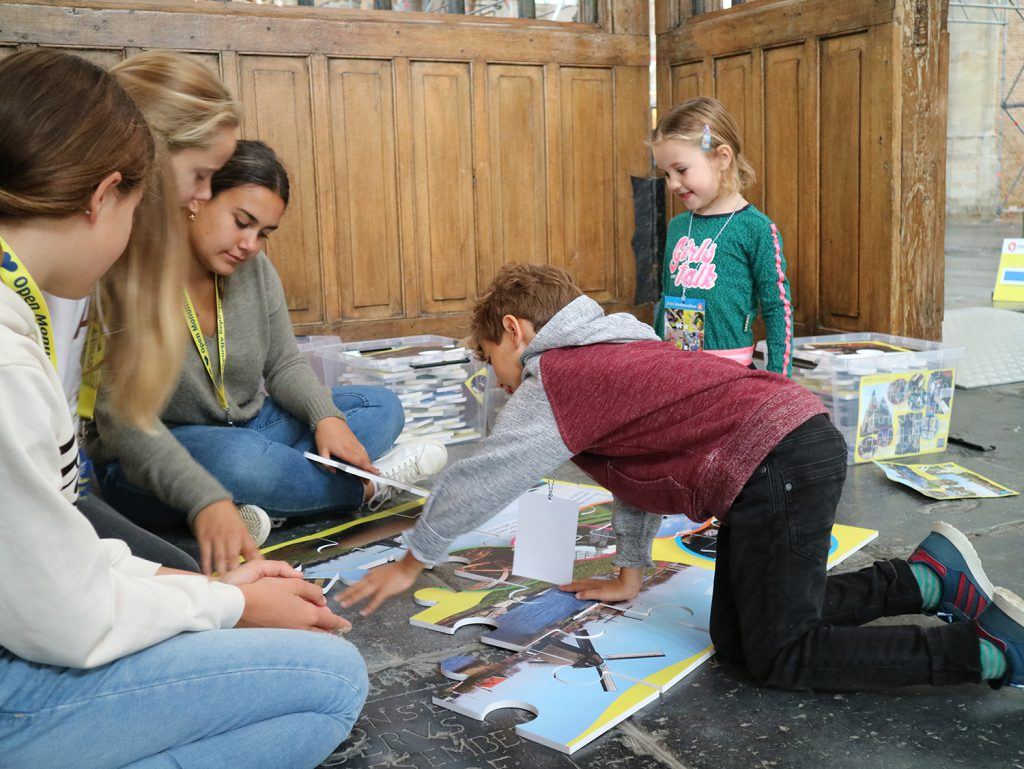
{"x":993,"y":661}
{"x":930,"y":584}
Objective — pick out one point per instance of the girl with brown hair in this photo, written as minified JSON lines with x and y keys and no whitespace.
{"x":98,"y":667}
{"x":247,"y":405}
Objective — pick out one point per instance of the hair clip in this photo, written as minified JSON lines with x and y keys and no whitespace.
{"x":705,"y":139}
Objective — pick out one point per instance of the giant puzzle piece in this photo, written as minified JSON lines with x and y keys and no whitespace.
{"x":312,"y":551}
{"x":504,"y":598}
{"x":606,"y":663}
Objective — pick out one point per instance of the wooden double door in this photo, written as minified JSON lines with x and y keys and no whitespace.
{"x":426,"y":150}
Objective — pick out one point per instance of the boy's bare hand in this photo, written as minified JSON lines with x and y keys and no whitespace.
{"x":625,"y":587}
{"x":381,"y":583}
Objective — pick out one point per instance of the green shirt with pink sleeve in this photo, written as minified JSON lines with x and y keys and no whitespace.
{"x":733,"y":271}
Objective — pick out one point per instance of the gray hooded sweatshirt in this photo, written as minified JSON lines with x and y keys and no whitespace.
{"x":526,"y":445}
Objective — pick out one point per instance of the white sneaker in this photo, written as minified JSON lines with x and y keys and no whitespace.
{"x":410,"y":463}
{"x":256,"y":521}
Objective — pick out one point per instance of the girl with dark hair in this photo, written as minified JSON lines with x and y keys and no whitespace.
{"x":100,"y":664}
{"x":223,"y":441}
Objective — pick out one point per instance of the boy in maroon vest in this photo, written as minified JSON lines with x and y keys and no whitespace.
{"x":684,"y":432}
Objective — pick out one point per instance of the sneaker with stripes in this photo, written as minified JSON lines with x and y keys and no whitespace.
{"x":963,"y":589}
{"x":1002,"y":625}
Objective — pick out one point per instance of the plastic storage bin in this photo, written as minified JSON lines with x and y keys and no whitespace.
{"x":446,"y":392}
{"x":891,"y":396}
{"x":308,"y":346}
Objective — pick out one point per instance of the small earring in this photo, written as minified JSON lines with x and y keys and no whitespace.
{"x":87,"y":212}
{"x":191,"y":216}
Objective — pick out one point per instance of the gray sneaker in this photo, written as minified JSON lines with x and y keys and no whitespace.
{"x":256,"y":521}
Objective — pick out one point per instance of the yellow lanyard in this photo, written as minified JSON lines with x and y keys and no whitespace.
{"x":16,"y":277}
{"x":222,"y":352}
{"x":92,"y":358}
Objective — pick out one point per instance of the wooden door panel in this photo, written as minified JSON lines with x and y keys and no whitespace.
{"x":785,"y":171}
{"x":105,"y":57}
{"x":423,"y":150}
{"x":367,"y":275}
{"x":275,"y":95}
{"x":587,"y":179}
{"x":688,"y":81}
{"x":516,"y":121}
{"x":443,"y":184}
{"x":822,"y":90}
{"x":736,"y":86}
{"x":841,"y":193}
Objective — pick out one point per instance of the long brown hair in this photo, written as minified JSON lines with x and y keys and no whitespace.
{"x":51,"y":163}
{"x":65,"y":125}
{"x":139,"y":300}
{"x":685,"y":122}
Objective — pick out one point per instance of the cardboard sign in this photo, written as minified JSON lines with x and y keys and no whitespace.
{"x":1010,"y":276}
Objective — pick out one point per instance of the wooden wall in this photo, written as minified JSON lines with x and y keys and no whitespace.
{"x":842,"y":107}
{"x":425,"y":150}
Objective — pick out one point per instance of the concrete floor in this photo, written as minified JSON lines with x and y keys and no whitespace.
{"x":715,"y":719}
{"x":972,"y":258}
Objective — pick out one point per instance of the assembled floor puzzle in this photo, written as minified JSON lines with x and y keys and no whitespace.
{"x":580,"y":666}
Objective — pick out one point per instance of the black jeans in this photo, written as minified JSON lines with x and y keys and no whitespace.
{"x":776,"y":613}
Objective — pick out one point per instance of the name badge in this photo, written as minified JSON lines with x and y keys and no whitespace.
{"x":683,"y":321}
{"x":545,"y":544}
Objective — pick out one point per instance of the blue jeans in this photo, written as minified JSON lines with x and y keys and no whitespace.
{"x":260,"y":461}
{"x":219,"y":698}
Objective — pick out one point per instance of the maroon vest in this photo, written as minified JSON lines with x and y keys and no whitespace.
{"x":669,"y":431}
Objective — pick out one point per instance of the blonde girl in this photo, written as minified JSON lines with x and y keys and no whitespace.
{"x":723,"y":257}
{"x":139,"y":302}
{"x":100,"y":664}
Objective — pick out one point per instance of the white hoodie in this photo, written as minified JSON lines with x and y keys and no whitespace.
{"x":67,"y":597}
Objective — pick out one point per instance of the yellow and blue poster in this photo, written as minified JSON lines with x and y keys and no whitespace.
{"x":1010,"y":275}
{"x":946,"y":480}
{"x":903,"y":414}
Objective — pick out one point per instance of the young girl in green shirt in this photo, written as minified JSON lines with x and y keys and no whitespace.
{"x":723,"y":257}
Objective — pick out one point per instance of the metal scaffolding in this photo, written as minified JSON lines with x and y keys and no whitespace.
{"x":1011,"y":102}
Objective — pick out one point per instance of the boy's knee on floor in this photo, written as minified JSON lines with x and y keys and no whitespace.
{"x":772,"y":669}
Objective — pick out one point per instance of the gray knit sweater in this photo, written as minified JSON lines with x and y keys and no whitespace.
{"x":260,"y":347}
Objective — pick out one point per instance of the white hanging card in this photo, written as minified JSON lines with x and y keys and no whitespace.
{"x":545,"y":544}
